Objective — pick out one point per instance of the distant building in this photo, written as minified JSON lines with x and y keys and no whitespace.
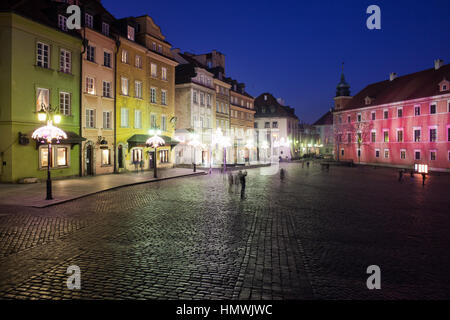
{"x":309,"y":140}
{"x":324,"y":128}
{"x":398,"y":122}
{"x":277,"y":129}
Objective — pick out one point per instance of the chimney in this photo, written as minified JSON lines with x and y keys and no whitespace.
{"x":438,"y":63}
{"x":392,"y":76}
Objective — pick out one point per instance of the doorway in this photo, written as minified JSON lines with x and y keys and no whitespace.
{"x":89,"y":160}
{"x":120,"y":157}
{"x":151,"y":158}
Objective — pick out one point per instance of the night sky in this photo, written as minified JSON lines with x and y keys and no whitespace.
{"x":295,"y":49}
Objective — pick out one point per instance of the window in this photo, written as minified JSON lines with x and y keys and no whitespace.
{"x":107,"y":59}
{"x":61,"y":156}
{"x":349,"y":137}
{"x":89,"y":20}
{"x":195,"y":97}
{"x":342,"y":152}
{"x":373,"y":115}
{"x":152,"y":95}
{"x":403,"y":154}
{"x":105,"y":29}
{"x":153,"y":121}
{"x":164,"y":156}
{"x":417,"y":110}
{"x":43,"y":55}
{"x":164,"y":97}
{"x":62,"y":22}
{"x":433,"y":155}
{"x":154,"y":46}
{"x":154,"y":70}
{"x":164,"y":123}
{"x":130,"y":33}
{"x":106,"y":120}
{"x":386,"y":136}
{"x":160,"y":48}
{"x":138,"y":62}
{"x":208,"y":100}
{"x":124,"y":86}
{"x":267,"y":125}
{"x":374,"y":136}
{"x":359,"y":117}
{"x":386,"y":153}
{"x":399,"y":135}
{"x":448,"y":134}
{"x":377,"y":153}
{"x":138,"y":89}
{"x":90,"y":55}
{"x":275,"y":124}
{"x":399,"y":112}
{"x":433,"y":109}
{"x":164,"y":73}
{"x":90,"y":85}
{"x":65,"y":61}
{"x":106,"y":89}
{"x":64,"y":103}
{"x":124,"y":117}
{"x":386,"y":114}
{"x":349,"y":119}
{"x":137,"y":119}
{"x":136,"y":155}
{"x":417,"y":155}
{"x":433,"y":134}
{"x":106,"y":157}
{"x":124,"y":56}
{"x":217,"y":107}
{"x":417,"y":135}
{"x":90,"y":118}
{"x":202,"y":98}
{"x":43,"y":158}
{"x":42,"y":98}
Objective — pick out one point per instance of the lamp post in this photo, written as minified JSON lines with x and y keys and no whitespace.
{"x":194,"y":143}
{"x":154,"y":142}
{"x":48,"y":134}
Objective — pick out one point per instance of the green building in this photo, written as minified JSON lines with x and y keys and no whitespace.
{"x":39,"y":64}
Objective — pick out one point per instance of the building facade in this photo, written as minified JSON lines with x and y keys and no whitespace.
{"x":324,"y":128}
{"x":196,"y":117}
{"x":98,"y":90}
{"x":40,"y":67}
{"x":399,"y":122}
{"x":276,"y":129}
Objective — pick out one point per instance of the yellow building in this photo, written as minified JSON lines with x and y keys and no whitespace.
{"x":145,"y":95}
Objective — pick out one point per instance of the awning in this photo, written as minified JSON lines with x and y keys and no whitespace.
{"x":140,"y":140}
{"x":72,"y":139}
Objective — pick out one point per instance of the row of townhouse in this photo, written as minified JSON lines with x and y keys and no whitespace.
{"x":400,"y":122}
{"x":112,"y":83}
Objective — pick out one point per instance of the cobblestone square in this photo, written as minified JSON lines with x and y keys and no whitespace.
{"x":310,"y":236}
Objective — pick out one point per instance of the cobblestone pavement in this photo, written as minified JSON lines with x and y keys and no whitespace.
{"x":311,"y":236}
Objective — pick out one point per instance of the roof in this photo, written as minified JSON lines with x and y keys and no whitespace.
{"x":325,"y":120}
{"x":412,"y":86}
{"x":270,"y":107}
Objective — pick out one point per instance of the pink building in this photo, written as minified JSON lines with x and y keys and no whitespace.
{"x":399,"y":122}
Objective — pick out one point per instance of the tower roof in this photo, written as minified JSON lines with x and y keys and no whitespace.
{"x":343,"y":88}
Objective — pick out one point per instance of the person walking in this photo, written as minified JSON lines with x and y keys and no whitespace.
{"x":424,"y":177}
{"x":230,"y":182}
{"x":242,"y":179}
{"x":282,"y":174}
{"x":400,"y":175}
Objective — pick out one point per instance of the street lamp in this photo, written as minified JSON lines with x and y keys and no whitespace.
{"x":48,"y":134}
{"x":154,"y":142}
{"x":195,"y":143}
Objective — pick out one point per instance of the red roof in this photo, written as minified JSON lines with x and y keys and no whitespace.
{"x":412,"y":86}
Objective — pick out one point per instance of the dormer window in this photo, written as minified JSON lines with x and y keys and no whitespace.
{"x":368,"y":100}
{"x":89,"y":20}
{"x":105,"y":29}
{"x":62,"y":22}
{"x":265,"y":97}
{"x":444,"y":85}
{"x":130,"y":33}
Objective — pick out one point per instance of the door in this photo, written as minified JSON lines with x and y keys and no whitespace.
{"x":120,"y":157}
{"x":89,"y":161}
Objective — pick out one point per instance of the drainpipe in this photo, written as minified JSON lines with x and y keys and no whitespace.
{"x":115,"y":104}
{"x":85,"y":43}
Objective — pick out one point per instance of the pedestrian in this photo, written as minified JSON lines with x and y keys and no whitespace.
{"x":328,"y":167}
{"x":230,"y":181}
{"x":412,"y":173}
{"x":242,"y":177}
{"x":307,"y":164}
{"x":282,"y":174}
{"x":400,"y":175}
{"x":424,"y":177}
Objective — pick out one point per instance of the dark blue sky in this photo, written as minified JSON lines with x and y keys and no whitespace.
{"x":294,"y":49}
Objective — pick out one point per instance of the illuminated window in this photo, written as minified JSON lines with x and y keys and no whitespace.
{"x":136,"y":155}
{"x":124,"y":56}
{"x":138,"y":89}
{"x":386,"y":153}
{"x":130,"y":33}
{"x":124,"y":86}
{"x":164,"y":73}
{"x":43,"y":157}
{"x":154,"y":70}
{"x":164,"y":156}
{"x":403,"y":154}
{"x":90,"y":85}
{"x":386,"y":136}
{"x":138,"y":62}
{"x":61,"y":156}
{"x":106,"y":157}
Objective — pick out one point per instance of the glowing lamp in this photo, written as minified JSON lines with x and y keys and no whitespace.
{"x":42,"y":115}
{"x":57,"y":118}
{"x":49,"y":133}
